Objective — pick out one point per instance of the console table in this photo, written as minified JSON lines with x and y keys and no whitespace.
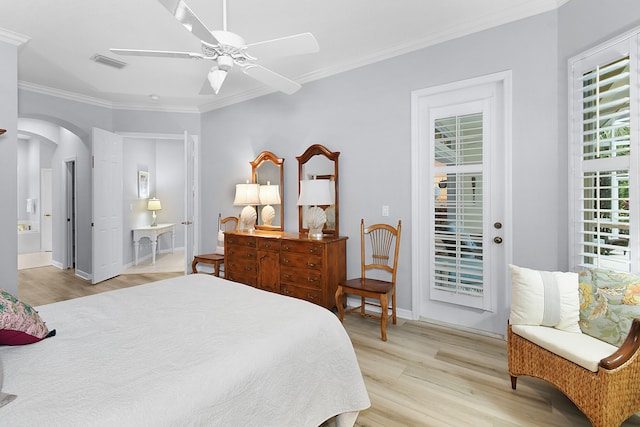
{"x":287,"y":263}
{"x":152,"y":233}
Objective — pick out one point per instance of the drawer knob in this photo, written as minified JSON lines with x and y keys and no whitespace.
{"x":287,"y":276}
{"x":311,"y":264}
{"x":311,"y":296}
{"x":311,"y":279}
{"x":285,"y":260}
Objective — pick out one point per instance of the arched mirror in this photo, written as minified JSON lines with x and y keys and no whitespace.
{"x":267,"y":170}
{"x":317,"y":163}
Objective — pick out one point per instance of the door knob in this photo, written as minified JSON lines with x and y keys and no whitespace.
{"x":497,"y":240}
{"x":497,"y":225}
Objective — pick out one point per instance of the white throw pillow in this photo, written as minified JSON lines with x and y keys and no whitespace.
{"x":220,"y":246}
{"x":544,"y":298}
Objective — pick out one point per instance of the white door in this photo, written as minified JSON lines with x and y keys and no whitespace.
{"x":189,"y":199}
{"x":46,"y":223}
{"x":461,"y":198}
{"x":107,"y":205}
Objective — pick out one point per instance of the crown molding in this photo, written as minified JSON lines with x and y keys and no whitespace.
{"x":98,"y":102}
{"x":12,"y":37}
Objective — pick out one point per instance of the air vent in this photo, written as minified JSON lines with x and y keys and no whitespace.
{"x":101,"y":59}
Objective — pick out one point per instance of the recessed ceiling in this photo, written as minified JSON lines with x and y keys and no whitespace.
{"x":63,"y":36}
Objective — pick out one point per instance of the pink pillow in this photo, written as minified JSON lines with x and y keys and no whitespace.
{"x":19,"y":322}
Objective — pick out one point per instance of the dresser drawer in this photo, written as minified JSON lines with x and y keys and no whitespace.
{"x":269,"y":244}
{"x":239,"y":253}
{"x":241,"y":278}
{"x":303,"y":247}
{"x":311,"y":295}
{"x":300,"y":277}
{"x":241,"y":266}
{"x":241,"y":241}
{"x":300,"y":260}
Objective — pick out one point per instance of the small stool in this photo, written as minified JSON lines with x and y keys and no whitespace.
{"x":212,"y":259}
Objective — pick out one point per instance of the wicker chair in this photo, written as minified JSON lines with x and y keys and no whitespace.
{"x":607,"y":397}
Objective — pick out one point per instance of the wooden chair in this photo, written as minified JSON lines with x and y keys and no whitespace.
{"x":383,"y":238}
{"x":216,"y":259}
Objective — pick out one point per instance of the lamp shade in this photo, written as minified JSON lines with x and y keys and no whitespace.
{"x":247,"y":194}
{"x":314,"y":192}
{"x":216,"y":78}
{"x":269,"y":194}
{"x":154,"y":204}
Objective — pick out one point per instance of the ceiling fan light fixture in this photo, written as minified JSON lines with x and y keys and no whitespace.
{"x":216,"y":78}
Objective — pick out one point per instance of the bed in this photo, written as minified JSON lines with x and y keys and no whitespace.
{"x":194,"y":350}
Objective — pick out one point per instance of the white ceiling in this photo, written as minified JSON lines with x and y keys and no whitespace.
{"x":61,"y":37}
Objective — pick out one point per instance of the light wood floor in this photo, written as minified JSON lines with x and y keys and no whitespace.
{"x":424,"y":375}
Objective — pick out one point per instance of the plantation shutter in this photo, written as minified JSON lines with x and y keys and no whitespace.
{"x":458,"y":182}
{"x":604,"y":100}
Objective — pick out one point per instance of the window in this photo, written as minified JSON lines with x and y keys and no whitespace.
{"x":604,"y":153}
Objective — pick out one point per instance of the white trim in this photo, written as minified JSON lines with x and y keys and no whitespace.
{"x":12,"y":37}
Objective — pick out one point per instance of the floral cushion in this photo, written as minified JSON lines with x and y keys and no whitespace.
{"x":19,"y":322}
{"x":609,"y":301}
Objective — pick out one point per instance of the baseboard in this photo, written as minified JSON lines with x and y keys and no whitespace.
{"x":83,"y":275}
{"x":400,"y":312}
{"x":462,"y":328}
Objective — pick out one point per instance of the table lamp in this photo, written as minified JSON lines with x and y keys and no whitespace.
{"x":153,"y":206}
{"x":315,"y":193}
{"x":247,"y":195}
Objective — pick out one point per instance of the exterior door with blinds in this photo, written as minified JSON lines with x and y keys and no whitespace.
{"x":461,"y":199}
{"x":605,"y":157}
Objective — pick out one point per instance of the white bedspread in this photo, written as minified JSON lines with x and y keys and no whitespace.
{"x":191,"y":351}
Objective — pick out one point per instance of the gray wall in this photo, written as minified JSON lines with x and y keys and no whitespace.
{"x":8,"y":156}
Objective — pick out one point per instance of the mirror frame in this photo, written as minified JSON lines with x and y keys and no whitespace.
{"x":320,"y":150}
{"x":268,"y":156}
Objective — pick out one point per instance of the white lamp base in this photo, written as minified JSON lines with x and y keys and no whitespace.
{"x":316,"y":218}
{"x":248,"y":218}
{"x":267,"y":214}
{"x":154,"y":223}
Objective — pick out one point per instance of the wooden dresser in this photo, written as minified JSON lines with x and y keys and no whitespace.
{"x":287,"y":263}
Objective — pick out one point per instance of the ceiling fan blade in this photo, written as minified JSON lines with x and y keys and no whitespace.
{"x":182,"y":12}
{"x":206,"y":88}
{"x":158,"y":53}
{"x":271,"y":78}
{"x":292,"y":45}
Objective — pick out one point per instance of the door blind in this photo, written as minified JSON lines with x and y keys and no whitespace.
{"x":458,"y":226}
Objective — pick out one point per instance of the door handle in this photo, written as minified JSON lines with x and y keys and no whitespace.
{"x":497,"y":240}
{"x":186,"y":223}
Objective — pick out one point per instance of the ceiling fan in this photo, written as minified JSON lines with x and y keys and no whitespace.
{"x":227,"y":49}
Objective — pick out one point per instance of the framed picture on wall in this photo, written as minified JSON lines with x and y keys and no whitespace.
{"x":143,"y":184}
